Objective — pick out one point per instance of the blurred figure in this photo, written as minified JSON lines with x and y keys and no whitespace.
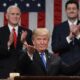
{"x":66,"y":40}
{"x":12,"y":38}
{"x":37,"y":61}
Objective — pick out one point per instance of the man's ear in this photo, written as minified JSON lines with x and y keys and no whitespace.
{"x":33,"y":42}
{"x":6,"y":16}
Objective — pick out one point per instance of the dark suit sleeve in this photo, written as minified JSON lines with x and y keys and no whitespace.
{"x":25,"y":64}
{"x":54,"y":65}
{"x":29,"y":36}
{"x":3,"y":43}
{"x":59,"y":42}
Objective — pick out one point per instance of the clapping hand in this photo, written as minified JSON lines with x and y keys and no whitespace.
{"x":11,"y":39}
{"x":23,"y":36}
{"x":74,"y":31}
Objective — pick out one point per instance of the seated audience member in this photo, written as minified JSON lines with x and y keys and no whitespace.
{"x":37,"y":61}
{"x":11,"y":41}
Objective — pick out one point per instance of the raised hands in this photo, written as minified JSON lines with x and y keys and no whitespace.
{"x":30,"y":48}
{"x":74,"y":31}
{"x":11,"y":39}
{"x":23,"y":36}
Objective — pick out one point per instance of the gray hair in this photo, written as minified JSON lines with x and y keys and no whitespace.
{"x":12,"y":6}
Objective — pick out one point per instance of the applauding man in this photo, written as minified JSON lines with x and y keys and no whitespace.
{"x":66,"y":40}
{"x":12,"y":37}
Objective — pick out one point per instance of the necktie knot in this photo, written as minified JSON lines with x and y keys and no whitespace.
{"x":13,"y":29}
{"x":42,"y":54}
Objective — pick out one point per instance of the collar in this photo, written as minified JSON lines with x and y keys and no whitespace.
{"x":42,"y":53}
{"x":72,"y":23}
{"x":16,"y":28}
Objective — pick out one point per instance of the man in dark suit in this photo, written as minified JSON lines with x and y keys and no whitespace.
{"x":9,"y":48}
{"x":39,"y":62}
{"x":66,"y":40}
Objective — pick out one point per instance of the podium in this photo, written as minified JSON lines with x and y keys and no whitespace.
{"x":47,"y":78}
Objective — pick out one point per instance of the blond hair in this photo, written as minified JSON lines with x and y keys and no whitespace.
{"x":41,"y":31}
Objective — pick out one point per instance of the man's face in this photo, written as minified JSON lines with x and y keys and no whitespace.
{"x":72,"y":11}
{"x":41,"y":42}
{"x":13,"y":16}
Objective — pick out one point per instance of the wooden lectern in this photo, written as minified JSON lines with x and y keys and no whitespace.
{"x":47,"y":78}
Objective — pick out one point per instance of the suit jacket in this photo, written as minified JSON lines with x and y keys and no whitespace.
{"x":36,"y":67}
{"x":70,"y":53}
{"x":9,"y":58}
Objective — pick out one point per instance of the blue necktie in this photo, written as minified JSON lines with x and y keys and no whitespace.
{"x":42,"y":57}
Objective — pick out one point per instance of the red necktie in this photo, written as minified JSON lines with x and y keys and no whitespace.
{"x":15,"y":37}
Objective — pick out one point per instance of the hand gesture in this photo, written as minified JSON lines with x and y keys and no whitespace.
{"x":30,"y":48}
{"x":11,"y":39}
{"x":23,"y":36}
{"x":74,"y":31}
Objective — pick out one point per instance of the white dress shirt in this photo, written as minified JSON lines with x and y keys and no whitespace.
{"x":70,"y":23}
{"x":11,"y":27}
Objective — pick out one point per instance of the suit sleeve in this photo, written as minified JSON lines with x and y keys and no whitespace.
{"x":25,"y":64}
{"x":4,"y":52}
{"x":29,"y":37}
{"x":59,"y":42}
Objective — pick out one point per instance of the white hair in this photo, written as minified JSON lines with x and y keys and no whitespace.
{"x":12,"y":6}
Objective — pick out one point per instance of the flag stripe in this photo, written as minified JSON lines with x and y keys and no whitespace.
{"x":5,"y":20}
{"x":64,"y":17}
{"x":57,"y":11}
{"x":25,"y":19}
{"x":41,"y":19}
{"x":49,"y":21}
{"x":33,"y":20}
{"x":1,"y":19}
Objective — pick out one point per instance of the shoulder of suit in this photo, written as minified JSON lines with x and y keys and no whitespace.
{"x":62,"y":24}
{"x":25,"y":29}
{"x":3,"y":28}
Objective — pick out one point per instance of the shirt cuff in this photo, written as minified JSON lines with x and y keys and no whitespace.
{"x":78,"y":36}
{"x":68,"y":39}
{"x":30,"y":55}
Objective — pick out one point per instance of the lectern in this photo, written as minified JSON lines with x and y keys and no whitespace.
{"x":47,"y":78}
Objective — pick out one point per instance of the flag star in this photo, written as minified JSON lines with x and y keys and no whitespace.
{"x":33,"y":0}
{"x":27,"y":4}
{"x":21,"y":0}
{"x":4,"y":4}
{"x":39,"y":5}
{"x":16,"y":4}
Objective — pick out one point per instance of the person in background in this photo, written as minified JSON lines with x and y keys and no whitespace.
{"x":66,"y":40}
{"x":12,"y":38}
{"x":38,"y":61}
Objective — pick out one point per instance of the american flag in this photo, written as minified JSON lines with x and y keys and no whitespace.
{"x":36,"y":13}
